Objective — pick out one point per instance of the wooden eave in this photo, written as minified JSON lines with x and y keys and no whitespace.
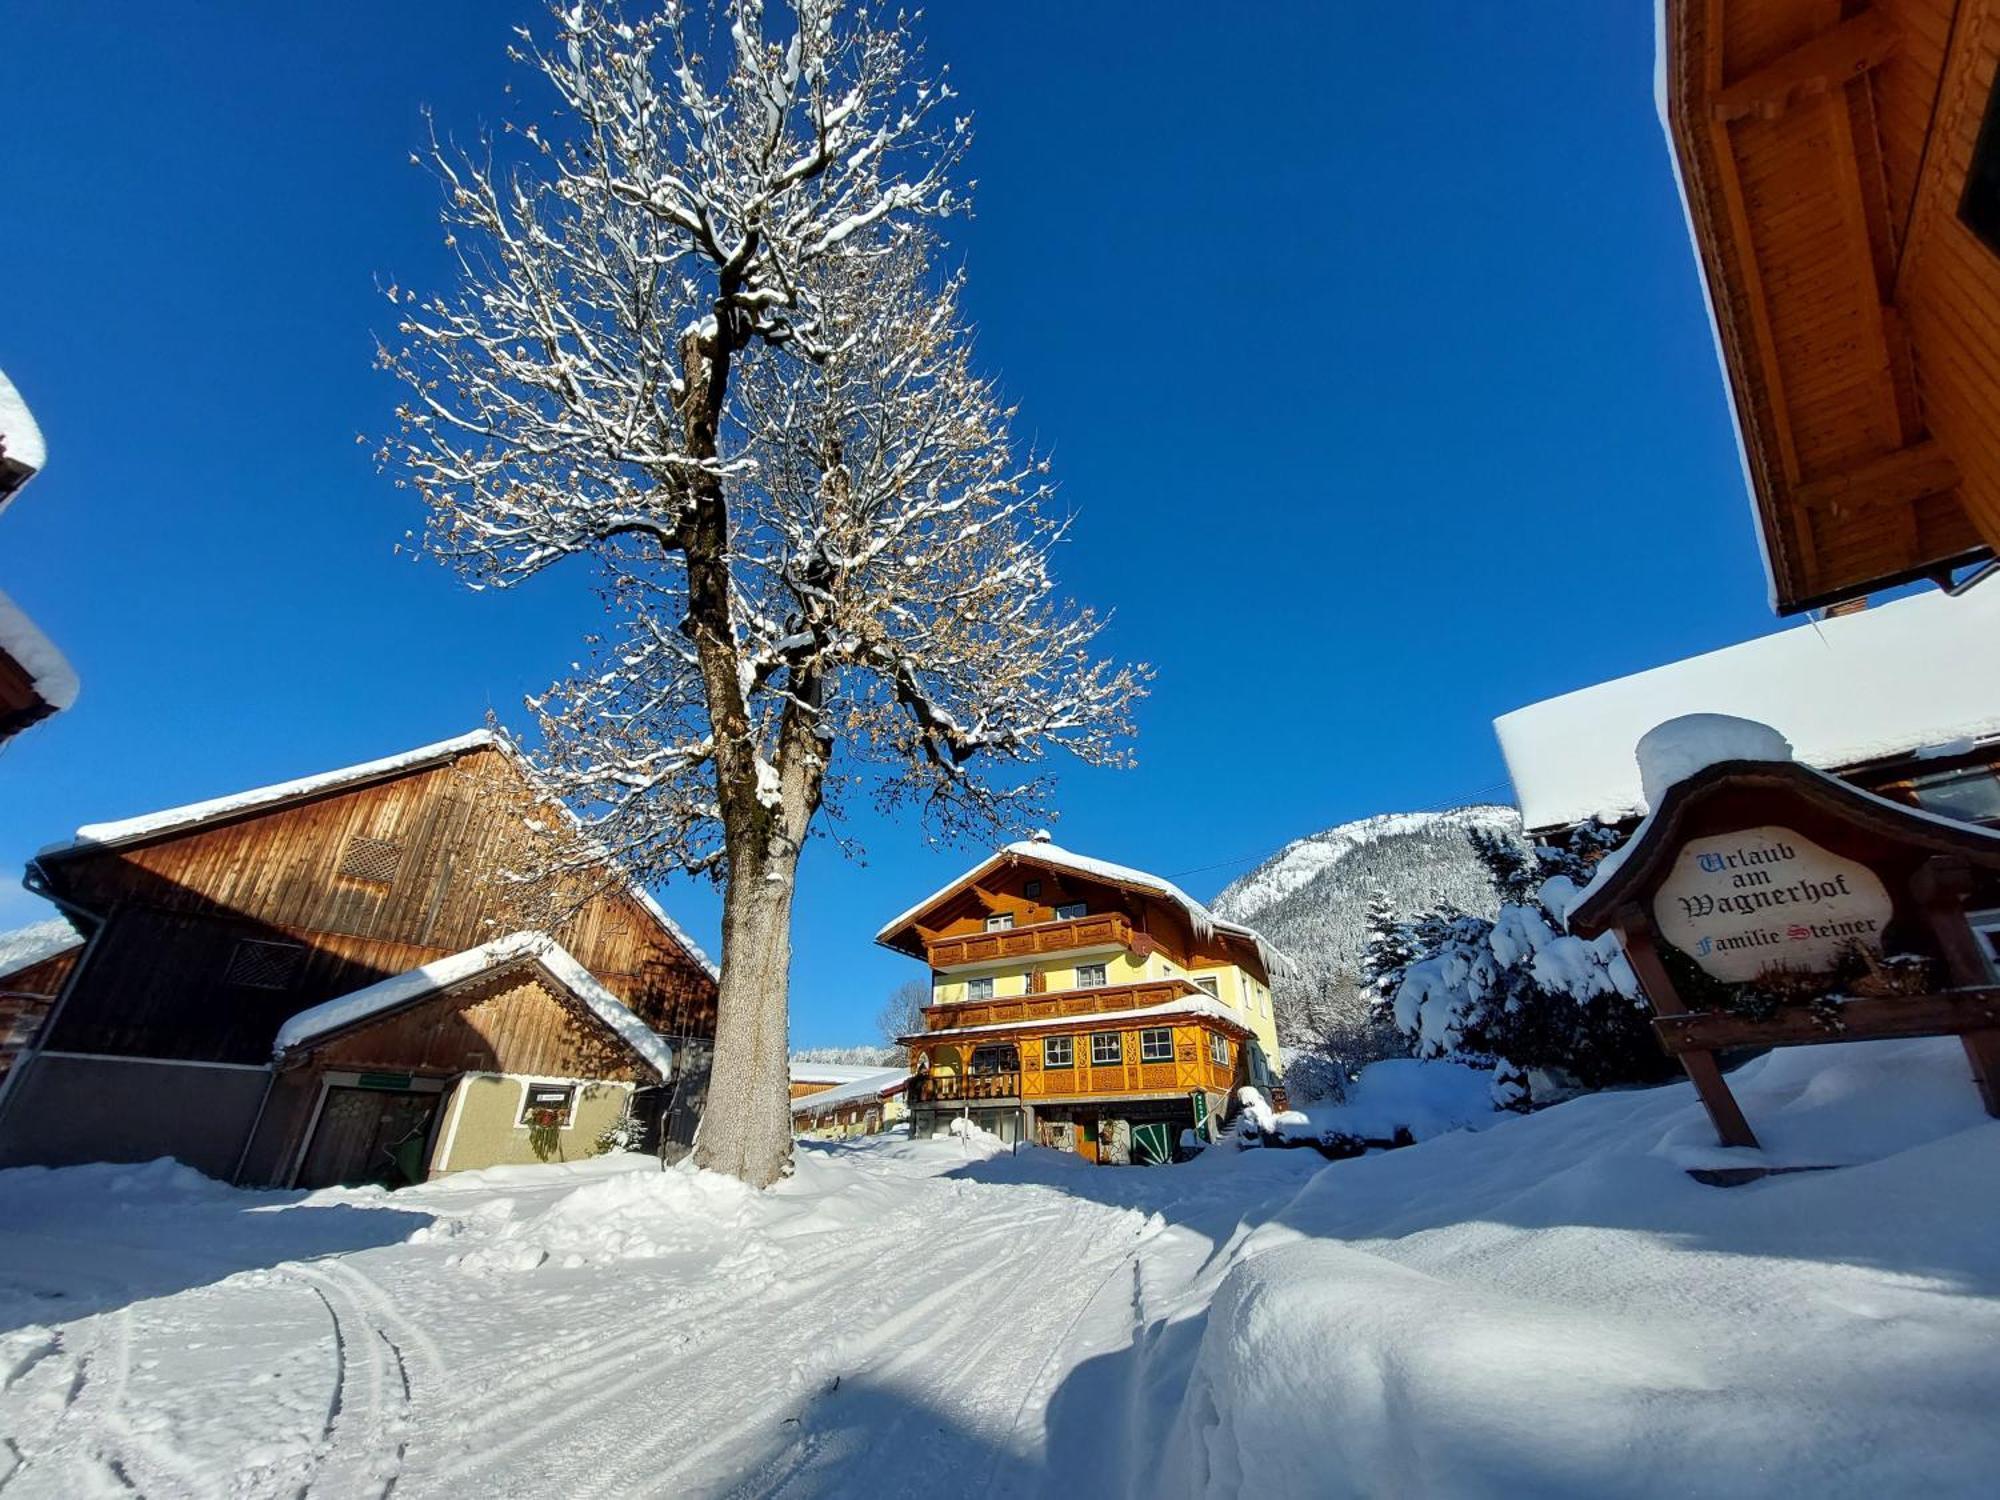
{"x":1648,"y":859}
{"x":1772,"y":111}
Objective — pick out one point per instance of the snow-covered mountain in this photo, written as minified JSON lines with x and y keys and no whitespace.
{"x":1311,"y":898}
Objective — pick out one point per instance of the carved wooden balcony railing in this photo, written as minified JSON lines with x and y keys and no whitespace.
{"x":964,"y":1088}
{"x":1103,"y":930}
{"x":1058,"y":1005}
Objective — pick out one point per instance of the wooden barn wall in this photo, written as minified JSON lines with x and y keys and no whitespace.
{"x":514,"y":1025}
{"x":157,"y":984}
{"x":1949,"y":282}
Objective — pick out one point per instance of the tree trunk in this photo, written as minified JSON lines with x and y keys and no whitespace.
{"x":746,"y":1129}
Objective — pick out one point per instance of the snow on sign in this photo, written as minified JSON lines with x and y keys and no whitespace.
{"x":1739,"y":904}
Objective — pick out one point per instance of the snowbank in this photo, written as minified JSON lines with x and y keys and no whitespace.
{"x":1402,"y":1094}
{"x":1555,"y":1307}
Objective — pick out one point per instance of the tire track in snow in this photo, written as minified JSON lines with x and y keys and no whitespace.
{"x":367,"y":1424}
{"x":654,"y":1344}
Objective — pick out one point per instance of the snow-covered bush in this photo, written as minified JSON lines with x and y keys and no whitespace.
{"x":1520,"y":987}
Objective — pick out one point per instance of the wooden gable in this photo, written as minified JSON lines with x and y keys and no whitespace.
{"x":1824,"y":148}
{"x":517,"y":1020}
{"x":220,"y":930}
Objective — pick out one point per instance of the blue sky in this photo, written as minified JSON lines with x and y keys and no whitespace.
{"x":1366,"y":338}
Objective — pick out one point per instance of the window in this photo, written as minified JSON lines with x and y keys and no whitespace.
{"x":1069,"y":911}
{"x":1031,"y":888}
{"x":979,"y":989}
{"x":1972,"y":795}
{"x":1218,"y":1049}
{"x":1000,"y":921}
{"x":1156,"y":1045}
{"x":372,"y":860}
{"x":1979,"y":205}
{"x":548,"y":1105}
{"x":1090,"y":976}
{"x":259,"y":965}
{"x":1206,"y":984}
{"x":1003,"y":1057}
{"x":1986,"y":929}
{"x":1058,"y":1052}
{"x":1106,"y":1049}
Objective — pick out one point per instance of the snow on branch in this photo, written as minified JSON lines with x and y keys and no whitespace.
{"x":611,"y":264}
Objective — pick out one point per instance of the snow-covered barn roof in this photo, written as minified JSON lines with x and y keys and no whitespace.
{"x":1043,"y":851}
{"x":414,"y":985}
{"x":1913,"y":675}
{"x":875,"y":1083}
{"x":36,"y":943}
{"x":830,"y":1073}
{"x":47,"y":668}
{"x":92,"y":836}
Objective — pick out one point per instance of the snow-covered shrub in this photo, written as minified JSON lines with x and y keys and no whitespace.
{"x":1520,"y":986}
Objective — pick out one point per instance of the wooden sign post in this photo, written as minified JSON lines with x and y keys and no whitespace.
{"x":1764,"y":904}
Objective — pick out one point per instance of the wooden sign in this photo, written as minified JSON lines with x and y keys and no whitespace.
{"x":1808,"y":911}
{"x":1743,"y":902}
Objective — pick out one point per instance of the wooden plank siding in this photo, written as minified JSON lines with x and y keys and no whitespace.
{"x":1823,"y":147}
{"x":1193,"y":1066}
{"x":512,"y":1022}
{"x":178,"y":905}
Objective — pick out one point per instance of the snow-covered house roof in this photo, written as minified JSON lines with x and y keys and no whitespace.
{"x":1043,"y":851}
{"x":36,"y":943}
{"x":94,"y":836}
{"x":22,"y":451}
{"x":875,"y":1083}
{"x":1916,"y":674}
{"x":47,"y":669}
{"x":517,"y":949}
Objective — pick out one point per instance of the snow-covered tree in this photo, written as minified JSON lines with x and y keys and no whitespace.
{"x":700,"y":338}
{"x":1387,"y":951}
{"x":1519,"y":987}
{"x":902,"y":1014}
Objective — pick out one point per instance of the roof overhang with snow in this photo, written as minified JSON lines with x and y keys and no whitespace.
{"x":36,"y":679}
{"x":1822,"y":194}
{"x":517,"y":952}
{"x":901,"y":933}
{"x":1899,"y":679}
{"x":23,"y":454}
{"x":877,"y":1083}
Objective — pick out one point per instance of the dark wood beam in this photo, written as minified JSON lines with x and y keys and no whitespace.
{"x":1952,"y":1013}
{"x":1850,"y":50}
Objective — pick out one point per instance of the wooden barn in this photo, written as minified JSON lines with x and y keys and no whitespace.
{"x":213,"y":928}
{"x":1841,"y":168}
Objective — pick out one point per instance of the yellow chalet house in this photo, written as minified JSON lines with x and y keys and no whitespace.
{"x":1082,"y":1005}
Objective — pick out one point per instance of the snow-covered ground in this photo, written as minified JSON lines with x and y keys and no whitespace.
{"x":1547,"y":1306}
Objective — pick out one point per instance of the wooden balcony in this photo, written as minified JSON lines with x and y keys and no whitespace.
{"x":1058,"y":1005}
{"x":1102,"y":930}
{"x":964,"y":1088}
